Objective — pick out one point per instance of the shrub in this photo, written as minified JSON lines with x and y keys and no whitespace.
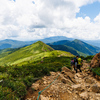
{"x":7,"y":94}
{"x":28,"y":80}
{"x":18,"y":88}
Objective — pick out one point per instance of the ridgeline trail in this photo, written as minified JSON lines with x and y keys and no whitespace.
{"x":68,"y":86}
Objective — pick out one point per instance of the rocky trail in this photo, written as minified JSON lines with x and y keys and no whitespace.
{"x":68,"y":86}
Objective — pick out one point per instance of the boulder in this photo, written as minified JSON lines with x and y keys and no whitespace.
{"x":78,"y":88}
{"x":95,"y":61}
{"x":64,"y":80}
{"x":68,"y":74}
{"x":78,"y":75}
{"x":84,"y":96}
{"x":43,"y":98}
{"x":65,"y":69}
{"x":95,"y":88}
{"x":88,"y":80}
{"x":35,"y":86}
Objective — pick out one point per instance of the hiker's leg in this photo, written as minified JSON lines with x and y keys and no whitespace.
{"x":74,"y":67}
{"x":76,"y":70}
{"x":79,"y":67}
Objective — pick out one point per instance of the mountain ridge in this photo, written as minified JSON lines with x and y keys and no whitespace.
{"x":29,"y":53}
{"x":78,"y":45}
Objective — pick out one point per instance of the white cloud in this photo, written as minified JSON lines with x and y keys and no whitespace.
{"x":34,"y":19}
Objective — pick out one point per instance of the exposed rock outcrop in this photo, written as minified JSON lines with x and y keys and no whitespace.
{"x":95,"y":61}
{"x":68,"y":86}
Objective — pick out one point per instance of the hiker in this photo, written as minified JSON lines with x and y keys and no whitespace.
{"x":79,"y":63}
{"x":75,"y":62}
{"x":72,"y":64}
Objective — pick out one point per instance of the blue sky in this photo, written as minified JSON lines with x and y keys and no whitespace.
{"x":91,"y":10}
{"x":37,"y":19}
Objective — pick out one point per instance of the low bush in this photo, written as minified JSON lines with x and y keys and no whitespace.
{"x":17,"y":79}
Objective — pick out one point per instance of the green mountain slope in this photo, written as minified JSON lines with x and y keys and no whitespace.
{"x":31,"y":53}
{"x":65,"y":48}
{"x":80,"y":46}
{"x":5,"y":52}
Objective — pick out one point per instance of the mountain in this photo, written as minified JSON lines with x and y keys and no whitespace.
{"x":30,"y":53}
{"x":80,"y":46}
{"x":93,"y":42}
{"x":65,"y":48}
{"x":8,"y":43}
{"x":5,"y":52}
{"x":19,"y":68}
{"x":55,"y":38}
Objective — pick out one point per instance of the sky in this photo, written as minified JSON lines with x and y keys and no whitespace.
{"x":28,"y":20}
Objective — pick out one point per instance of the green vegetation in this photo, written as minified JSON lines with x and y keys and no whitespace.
{"x":89,"y":58}
{"x":16,"y":79}
{"x":21,"y":67}
{"x":82,"y":48}
{"x":96,"y":71}
{"x":65,"y":48}
{"x":5,"y":52}
{"x":23,"y":53}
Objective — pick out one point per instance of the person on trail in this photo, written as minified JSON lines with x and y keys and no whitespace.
{"x":79,"y":64}
{"x":72,"y":64}
{"x":75,"y":62}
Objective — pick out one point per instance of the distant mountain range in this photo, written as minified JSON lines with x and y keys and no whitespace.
{"x":74,"y":46}
{"x":93,"y":42}
{"x":8,"y":43}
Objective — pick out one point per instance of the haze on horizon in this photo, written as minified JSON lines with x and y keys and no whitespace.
{"x":37,"y":19}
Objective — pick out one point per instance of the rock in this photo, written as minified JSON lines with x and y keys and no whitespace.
{"x":43,"y":98}
{"x":45,"y":82}
{"x":78,"y":75}
{"x":52,"y":73}
{"x":28,"y":99}
{"x":35,"y":86}
{"x":95,"y":61}
{"x":95,"y":88}
{"x":69,"y":75}
{"x":88,"y":80}
{"x":33,"y":97}
{"x":65,"y":69}
{"x":84,"y":95}
{"x":64,"y":80}
{"x":98,"y":94}
{"x":78,"y":88}
{"x":87,"y":86}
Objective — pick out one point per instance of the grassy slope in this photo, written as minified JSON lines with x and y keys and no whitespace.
{"x":31,"y":53}
{"x":40,"y":56}
{"x":32,"y":61}
{"x":65,"y":48}
{"x":18,"y":78}
{"x":5,"y":52}
{"x":24,"y":52}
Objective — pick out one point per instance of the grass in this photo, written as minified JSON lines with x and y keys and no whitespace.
{"x":24,"y":52}
{"x":16,"y":79}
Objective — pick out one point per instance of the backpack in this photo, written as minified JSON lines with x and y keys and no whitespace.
{"x":79,"y":61}
{"x":72,"y":62}
{"x":75,"y":60}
